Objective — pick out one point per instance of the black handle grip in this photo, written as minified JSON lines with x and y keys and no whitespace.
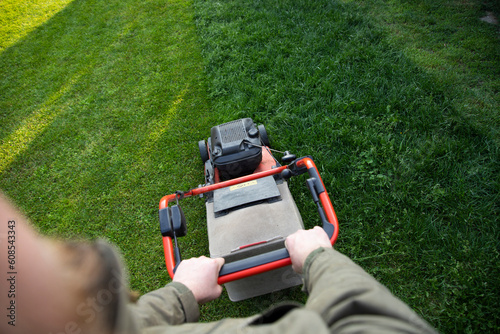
{"x":254,"y":261}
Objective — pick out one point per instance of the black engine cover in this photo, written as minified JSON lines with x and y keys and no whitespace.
{"x":231,"y":148}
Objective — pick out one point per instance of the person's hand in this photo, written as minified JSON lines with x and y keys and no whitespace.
{"x":302,"y":243}
{"x":200,"y":276}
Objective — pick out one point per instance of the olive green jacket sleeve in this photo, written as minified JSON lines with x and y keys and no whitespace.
{"x":350,"y":300}
{"x":173,"y":304}
{"x":343,"y":298}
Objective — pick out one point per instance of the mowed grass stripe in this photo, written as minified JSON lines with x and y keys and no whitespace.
{"x":101,"y":108}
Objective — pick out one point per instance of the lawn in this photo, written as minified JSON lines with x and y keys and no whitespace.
{"x":102,"y":104}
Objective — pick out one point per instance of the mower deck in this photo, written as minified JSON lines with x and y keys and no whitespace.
{"x":260,"y":225}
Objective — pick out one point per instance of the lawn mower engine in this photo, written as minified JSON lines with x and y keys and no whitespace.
{"x":235,"y":148}
{"x":250,"y":210}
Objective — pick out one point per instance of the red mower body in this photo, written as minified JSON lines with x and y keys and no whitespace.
{"x":250,"y":210}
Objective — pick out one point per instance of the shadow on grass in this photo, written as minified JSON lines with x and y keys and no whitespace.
{"x":101,"y":109}
{"x":414,"y":182}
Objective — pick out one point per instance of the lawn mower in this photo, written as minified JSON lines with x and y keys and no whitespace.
{"x":250,"y":210}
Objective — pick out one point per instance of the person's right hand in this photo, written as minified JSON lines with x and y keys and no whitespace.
{"x":302,"y":243}
{"x":200,"y":276}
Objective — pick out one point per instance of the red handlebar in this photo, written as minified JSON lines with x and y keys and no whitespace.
{"x":264,"y":263}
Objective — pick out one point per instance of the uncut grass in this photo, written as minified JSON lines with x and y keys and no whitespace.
{"x":111,"y":95}
{"x":414,"y":181}
{"x":447,"y":40}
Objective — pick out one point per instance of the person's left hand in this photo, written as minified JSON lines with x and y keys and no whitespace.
{"x":200,"y":276}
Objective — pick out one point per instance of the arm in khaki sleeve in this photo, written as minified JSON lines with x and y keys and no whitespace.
{"x":173,"y":304}
{"x":195,"y":282}
{"x":350,"y":300}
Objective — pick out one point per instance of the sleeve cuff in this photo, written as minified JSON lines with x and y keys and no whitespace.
{"x":187,"y":300}
{"x":308,"y":263}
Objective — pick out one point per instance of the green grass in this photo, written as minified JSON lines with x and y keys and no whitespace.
{"x":20,"y":18}
{"x":101,"y":107}
{"x":413,"y":177}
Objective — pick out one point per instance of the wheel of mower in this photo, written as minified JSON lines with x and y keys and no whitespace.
{"x":202,"y":146}
{"x":263,"y":135}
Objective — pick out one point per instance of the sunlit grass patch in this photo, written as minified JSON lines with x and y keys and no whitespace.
{"x":101,"y":108}
{"x":19,"y":140}
{"x":19,"y":17}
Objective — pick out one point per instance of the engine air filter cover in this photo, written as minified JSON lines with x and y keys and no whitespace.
{"x":232,"y":148}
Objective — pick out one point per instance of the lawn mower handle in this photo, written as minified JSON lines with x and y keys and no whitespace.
{"x":271,"y":260}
